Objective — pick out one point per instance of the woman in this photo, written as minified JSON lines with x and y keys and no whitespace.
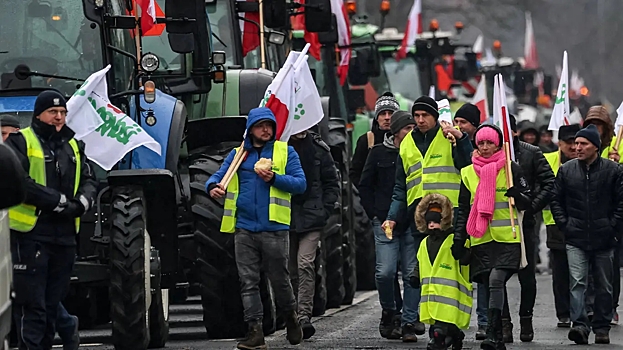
{"x":484,"y":217}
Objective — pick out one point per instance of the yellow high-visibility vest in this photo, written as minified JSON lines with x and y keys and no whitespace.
{"x":604,"y":153}
{"x":23,"y":217}
{"x":553,"y":160}
{"x":279,"y":207}
{"x":500,"y":228}
{"x":433,"y":173}
{"x":446,"y":290}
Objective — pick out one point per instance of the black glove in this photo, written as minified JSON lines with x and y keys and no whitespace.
{"x":414,"y":281}
{"x":458,"y":250}
{"x":73,"y":209}
{"x":514,"y":192}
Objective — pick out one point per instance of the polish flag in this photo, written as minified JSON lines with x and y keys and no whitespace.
{"x":480,"y":100}
{"x":530,"y":55}
{"x":148,"y":14}
{"x":414,"y":27}
{"x":343,"y":31}
{"x":501,"y":117}
{"x":279,"y":95}
{"x":478,"y":45}
{"x":298,"y":23}
{"x":250,"y":31}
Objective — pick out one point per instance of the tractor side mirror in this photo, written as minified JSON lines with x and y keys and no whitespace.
{"x":329,"y":35}
{"x":180,"y":32}
{"x":366,"y":62}
{"x":275,"y":13}
{"x":39,"y":10}
{"x":318,"y":16}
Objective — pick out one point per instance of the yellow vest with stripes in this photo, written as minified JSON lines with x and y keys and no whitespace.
{"x":446,"y":290}
{"x":604,"y":153}
{"x":500,"y":228}
{"x":279,"y":203}
{"x":553,"y":158}
{"x":23,"y":217}
{"x":432,"y":173}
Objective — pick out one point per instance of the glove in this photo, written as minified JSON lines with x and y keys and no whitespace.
{"x":521,"y":201}
{"x":514,"y":192}
{"x":73,"y":209}
{"x":414,"y":281}
{"x":458,"y":250}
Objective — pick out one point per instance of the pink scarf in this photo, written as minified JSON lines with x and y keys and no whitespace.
{"x":481,"y":213}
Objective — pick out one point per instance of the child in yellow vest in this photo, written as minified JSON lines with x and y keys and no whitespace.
{"x":446,"y":302}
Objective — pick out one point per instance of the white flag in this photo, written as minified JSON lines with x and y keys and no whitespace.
{"x":82,"y":118}
{"x":619,"y":122}
{"x":445,"y":113}
{"x":431,"y":92}
{"x":307,"y":106}
{"x":501,"y":116}
{"x":560,"y":113}
{"x":279,"y":97}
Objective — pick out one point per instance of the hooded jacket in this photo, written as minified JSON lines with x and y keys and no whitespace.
{"x":253,"y":199}
{"x":361,"y":152}
{"x":598,"y":115}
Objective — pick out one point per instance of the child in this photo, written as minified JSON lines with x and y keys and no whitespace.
{"x":446,"y":290}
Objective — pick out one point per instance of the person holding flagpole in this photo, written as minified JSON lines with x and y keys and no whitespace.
{"x":485,"y":218}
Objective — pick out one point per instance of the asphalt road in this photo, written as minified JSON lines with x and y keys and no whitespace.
{"x":356,"y":327}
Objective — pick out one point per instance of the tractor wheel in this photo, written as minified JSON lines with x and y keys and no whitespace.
{"x":216,"y":263}
{"x":159,"y":308}
{"x":335,"y":262}
{"x":366,"y":254}
{"x":320,"y":294}
{"x":130,"y":268}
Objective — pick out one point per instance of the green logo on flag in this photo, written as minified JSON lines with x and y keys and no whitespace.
{"x":561,"y":99}
{"x":445,"y":110}
{"x":113,"y":128}
{"x":299,"y":111}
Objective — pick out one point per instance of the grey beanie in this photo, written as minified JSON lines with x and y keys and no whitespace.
{"x":399,"y":120}
{"x":386,"y":102}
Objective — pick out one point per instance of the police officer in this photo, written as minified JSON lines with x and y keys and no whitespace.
{"x":60,"y":188}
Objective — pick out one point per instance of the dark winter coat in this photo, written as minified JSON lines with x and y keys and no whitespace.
{"x":12,"y":178}
{"x":461,"y":154}
{"x":377,"y":180}
{"x":361,"y":153}
{"x":60,"y":170}
{"x":311,"y":209}
{"x":555,"y":238}
{"x":486,"y":256}
{"x":588,"y":203}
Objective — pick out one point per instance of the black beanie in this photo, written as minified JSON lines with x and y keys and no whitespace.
{"x":426,"y":104}
{"x":386,"y":102}
{"x":399,"y":120}
{"x":591,"y":134}
{"x":469,"y":112}
{"x":48,"y":99}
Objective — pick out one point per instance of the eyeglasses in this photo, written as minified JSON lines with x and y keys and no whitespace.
{"x":55,"y":112}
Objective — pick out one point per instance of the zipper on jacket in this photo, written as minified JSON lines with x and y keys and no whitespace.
{"x":588,"y":207}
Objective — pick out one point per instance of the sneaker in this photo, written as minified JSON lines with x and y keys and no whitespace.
{"x":564,"y":322}
{"x":308,"y":328}
{"x":386,"y":326}
{"x":408,"y":333}
{"x":602,"y":338}
{"x":615,"y":319}
{"x":579,"y":335}
{"x":420,"y":328}
{"x":481,"y":333}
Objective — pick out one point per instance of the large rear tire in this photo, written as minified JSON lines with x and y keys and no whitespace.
{"x":332,"y":236}
{"x":216,"y":263}
{"x":366,"y":253}
{"x":320,"y":294}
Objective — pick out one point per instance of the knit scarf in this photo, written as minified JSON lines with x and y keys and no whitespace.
{"x":481,"y":213}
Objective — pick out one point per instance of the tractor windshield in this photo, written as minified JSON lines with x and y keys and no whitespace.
{"x":156,"y":41}
{"x":51,"y":37}
{"x":404,"y":77}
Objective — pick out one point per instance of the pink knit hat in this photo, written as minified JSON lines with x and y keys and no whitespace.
{"x":488,"y":134}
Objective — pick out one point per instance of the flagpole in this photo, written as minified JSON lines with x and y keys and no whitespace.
{"x":262,"y":43}
{"x":617,"y":143}
{"x":137,"y":37}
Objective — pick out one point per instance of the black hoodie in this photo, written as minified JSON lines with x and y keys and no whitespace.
{"x":362,"y":150}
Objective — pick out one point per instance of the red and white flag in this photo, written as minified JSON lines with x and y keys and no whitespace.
{"x":500,"y":113}
{"x":343,"y":32}
{"x":250,"y":31}
{"x":414,"y":27}
{"x":478,"y":45}
{"x":530,"y":55}
{"x":298,"y":23}
{"x":148,"y":14}
{"x":480,"y":100}
{"x":279,"y":95}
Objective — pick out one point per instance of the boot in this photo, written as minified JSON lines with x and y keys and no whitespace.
{"x":526,"y":333}
{"x":293,"y":327}
{"x":457,"y":340}
{"x":255,"y":337}
{"x":494,"y":339}
{"x":386,"y":326}
{"x":507,"y":330}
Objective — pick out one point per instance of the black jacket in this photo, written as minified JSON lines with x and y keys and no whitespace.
{"x":12,"y":179}
{"x":540,"y":179}
{"x":377,"y":180}
{"x":311,"y":209}
{"x":588,"y":203}
{"x":60,"y":169}
{"x":555,"y":238}
{"x":361,"y":153}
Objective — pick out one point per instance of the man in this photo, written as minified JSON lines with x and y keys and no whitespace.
{"x":375,"y":189}
{"x":555,"y":238}
{"x":60,"y":188}
{"x":467,"y":118}
{"x":588,"y":208}
{"x":257,"y":209}
{"x":310,"y":212}
{"x":529,"y":134}
{"x":8,"y":125}
{"x":385,"y":105}
{"x":540,"y":179}
{"x":545,"y":143}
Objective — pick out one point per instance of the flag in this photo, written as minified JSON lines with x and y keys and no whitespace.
{"x":500,"y":113}
{"x":82,"y":118}
{"x":250,"y":31}
{"x":560,"y":113}
{"x":431,"y":92}
{"x":343,"y":31}
{"x":477,"y":47}
{"x":414,"y":27}
{"x":307,"y":106}
{"x":530,"y":55}
{"x":298,"y":23}
{"x":148,"y":14}
{"x":445,"y":113}
{"x":480,"y":100}
{"x":279,"y":95}
{"x":619,"y":122}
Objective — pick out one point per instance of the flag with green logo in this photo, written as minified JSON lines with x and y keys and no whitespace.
{"x":560,"y":113}
{"x":445,"y":113}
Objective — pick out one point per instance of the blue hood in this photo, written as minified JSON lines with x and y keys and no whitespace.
{"x":257,"y":115}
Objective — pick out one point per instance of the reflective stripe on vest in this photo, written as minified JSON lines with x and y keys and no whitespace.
{"x":500,"y":228}
{"x":445,"y":287}
{"x":279,"y":202}
{"x":23,"y":217}
{"x":433,"y":173}
{"x":553,"y":160}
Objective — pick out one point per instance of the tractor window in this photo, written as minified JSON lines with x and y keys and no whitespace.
{"x":157,"y":42}
{"x":51,"y":37}
{"x":222,"y":28}
{"x":404,"y":77}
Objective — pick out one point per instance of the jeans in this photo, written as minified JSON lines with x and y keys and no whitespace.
{"x":41,"y":279}
{"x":526,"y":276}
{"x":65,"y":324}
{"x":560,"y":282}
{"x":482,"y":304}
{"x":268,"y":252}
{"x":302,"y":269}
{"x":403,"y":247}
{"x":579,"y":262}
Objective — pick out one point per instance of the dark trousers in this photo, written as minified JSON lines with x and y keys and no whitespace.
{"x":41,"y":278}
{"x":527,"y":277}
{"x":616,"y":281}
{"x":268,"y":252}
{"x":560,"y":282}
{"x":65,"y":324}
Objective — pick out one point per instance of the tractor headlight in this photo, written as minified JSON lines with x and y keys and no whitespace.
{"x":218,"y":58}
{"x":99,"y":3}
{"x":277,"y":38}
{"x":150,"y":91}
{"x":150,"y":62}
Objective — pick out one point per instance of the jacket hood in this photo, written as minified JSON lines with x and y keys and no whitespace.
{"x":256,"y":115}
{"x":599,"y":115}
{"x":446,"y":211}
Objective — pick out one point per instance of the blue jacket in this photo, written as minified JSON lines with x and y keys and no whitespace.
{"x":252,"y":204}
